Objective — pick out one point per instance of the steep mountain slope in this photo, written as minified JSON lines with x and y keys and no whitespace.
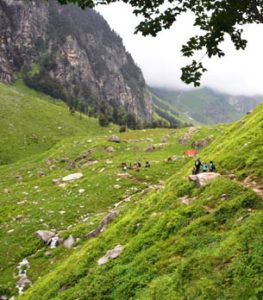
{"x":70,"y":54}
{"x":208,"y":247}
{"x":33,"y":197}
{"x":206,"y":105}
{"x":167,"y":111}
{"x":32,"y":122}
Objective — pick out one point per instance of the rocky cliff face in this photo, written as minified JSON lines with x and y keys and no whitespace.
{"x":70,"y":53}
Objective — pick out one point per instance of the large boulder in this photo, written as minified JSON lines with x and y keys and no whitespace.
{"x":45,"y":235}
{"x":203,"y":179}
{"x":114,"y":139}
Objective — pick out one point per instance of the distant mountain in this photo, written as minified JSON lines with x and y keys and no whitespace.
{"x":206,"y":105}
{"x":71,"y":54}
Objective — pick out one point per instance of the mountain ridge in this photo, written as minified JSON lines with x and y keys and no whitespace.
{"x":71,"y":54}
{"x":206,"y":105}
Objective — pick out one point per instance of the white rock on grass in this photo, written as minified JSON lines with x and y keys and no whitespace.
{"x":73,"y":176}
{"x":113,"y":253}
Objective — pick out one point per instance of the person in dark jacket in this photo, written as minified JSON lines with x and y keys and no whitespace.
{"x":212,"y":167}
{"x":198,"y":165}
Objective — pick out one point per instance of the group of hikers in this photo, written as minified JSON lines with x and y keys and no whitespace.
{"x":136,"y":166}
{"x":203,"y":167}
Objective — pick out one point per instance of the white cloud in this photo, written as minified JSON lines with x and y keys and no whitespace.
{"x":239,"y":72}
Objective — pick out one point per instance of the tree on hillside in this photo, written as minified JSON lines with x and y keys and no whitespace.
{"x":216,"y":19}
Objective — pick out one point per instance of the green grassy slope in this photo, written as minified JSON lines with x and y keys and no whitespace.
{"x":239,"y":148}
{"x":34,"y":203}
{"x":208,"y":249}
{"x":32,"y":122}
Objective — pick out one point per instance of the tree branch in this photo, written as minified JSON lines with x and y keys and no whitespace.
{"x":255,"y":10}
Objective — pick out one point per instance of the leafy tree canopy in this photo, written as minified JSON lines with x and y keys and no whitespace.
{"x":216,"y":19}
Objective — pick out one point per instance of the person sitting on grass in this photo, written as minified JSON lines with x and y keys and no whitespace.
{"x":147,"y":164}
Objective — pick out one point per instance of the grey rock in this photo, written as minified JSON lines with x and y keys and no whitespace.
{"x":150,"y":148}
{"x":112,"y":215}
{"x":69,"y":242}
{"x":72,"y":177}
{"x":114,"y":138}
{"x":113,"y":253}
{"x":45,"y":235}
{"x":203,"y":179}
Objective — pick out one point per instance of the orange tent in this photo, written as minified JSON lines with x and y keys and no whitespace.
{"x":191,"y":152}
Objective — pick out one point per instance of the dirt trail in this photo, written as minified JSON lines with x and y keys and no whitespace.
{"x":249,"y":183}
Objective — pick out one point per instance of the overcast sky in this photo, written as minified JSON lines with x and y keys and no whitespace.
{"x":239,"y":72}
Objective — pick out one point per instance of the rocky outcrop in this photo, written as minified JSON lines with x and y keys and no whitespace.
{"x":113,"y":253}
{"x":203,"y":179}
{"x":71,"y":54}
{"x":104,"y":223}
{"x":45,"y":235}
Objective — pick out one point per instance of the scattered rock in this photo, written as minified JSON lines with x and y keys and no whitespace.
{"x":102,"y":225}
{"x":203,"y":179}
{"x":149,"y":140}
{"x":223,"y":197}
{"x":109,"y":150}
{"x":83,"y":157}
{"x":51,"y":161}
{"x":117,"y":186}
{"x":19,"y":178}
{"x":73,"y":176}
{"x":185,"y":200}
{"x":21,"y":202}
{"x":41,"y":173}
{"x":81,"y":191}
{"x":69,"y":242}
{"x":114,"y":139}
{"x":56,"y":181}
{"x":164,"y":140}
{"x":6,"y":191}
{"x":45,"y":235}
{"x":113,"y":253}
{"x":150,"y":148}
